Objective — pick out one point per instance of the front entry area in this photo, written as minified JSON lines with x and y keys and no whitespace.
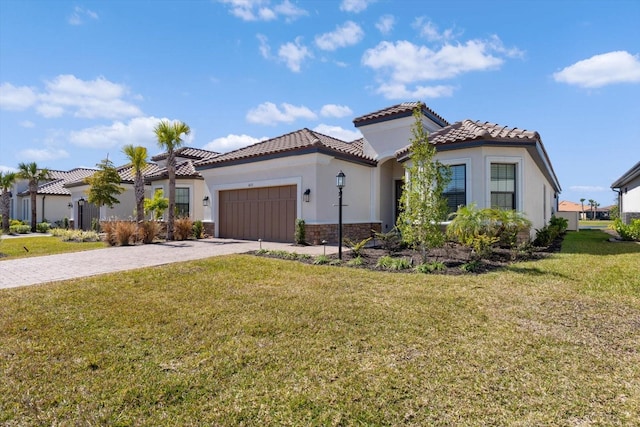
{"x":267,"y":213}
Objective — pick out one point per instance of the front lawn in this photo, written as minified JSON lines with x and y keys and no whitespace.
{"x":245,"y":340}
{"x":22,"y":247}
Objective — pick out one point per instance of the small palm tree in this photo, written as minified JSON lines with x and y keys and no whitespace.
{"x":34,"y":175}
{"x":138,"y":158}
{"x":582,"y":203}
{"x":170,"y":138}
{"x":6,"y":182}
{"x":592,"y":203}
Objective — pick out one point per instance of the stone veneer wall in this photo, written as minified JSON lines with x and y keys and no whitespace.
{"x":209,"y":228}
{"x":628,"y":216}
{"x":316,"y":233}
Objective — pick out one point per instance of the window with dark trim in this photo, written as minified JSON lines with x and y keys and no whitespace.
{"x":182,"y":202}
{"x":503,"y":186}
{"x":456,"y":190}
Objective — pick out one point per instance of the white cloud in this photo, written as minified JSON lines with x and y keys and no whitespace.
{"x":67,"y":94}
{"x":430,"y":31}
{"x":231,"y":142}
{"x":589,"y":188}
{"x":42,"y":155}
{"x":355,"y":6}
{"x":385,"y":24}
{"x":338,"y":132}
{"x":97,"y":98}
{"x":265,"y":49}
{"x":261,"y":10}
{"x":333,"y":110}
{"x":348,"y":34}
{"x":16,"y":98}
{"x":601,"y":70}
{"x":79,"y":14}
{"x":400,"y":91}
{"x":137,"y":131}
{"x":269,"y":114}
{"x":293,"y":54}
{"x":27,"y":124}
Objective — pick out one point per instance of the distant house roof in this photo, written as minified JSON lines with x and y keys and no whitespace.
{"x":397,"y":111}
{"x":469,"y":133}
{"x":185,"y":169}
{"x":303,"y":141}
{"x":188,"y":153}
{"x":56,"y":186}
{"x":567,"y":206}
{"x":628,"y":176}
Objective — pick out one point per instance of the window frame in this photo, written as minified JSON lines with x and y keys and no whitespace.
{"x":518,"y":193}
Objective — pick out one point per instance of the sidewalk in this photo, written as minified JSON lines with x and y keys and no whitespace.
{"x":51,"y":268}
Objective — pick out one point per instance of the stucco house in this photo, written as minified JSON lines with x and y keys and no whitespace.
{"x":190,"y":189}
{"x":52,"y":200}
{"x":628,"y":189}
{"x":259,"y":191}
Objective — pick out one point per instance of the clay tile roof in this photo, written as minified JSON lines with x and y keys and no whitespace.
{"x":128,"y":175}
{"x":188,"y":153}
{"x":185,"y":169}
{"x":469,"y":131}
{"x":56,"y":185}
{"x":400,"y":110}
{"x":297,"y":142}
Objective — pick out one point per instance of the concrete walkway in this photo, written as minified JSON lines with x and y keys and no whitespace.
{"x":51,"y":268}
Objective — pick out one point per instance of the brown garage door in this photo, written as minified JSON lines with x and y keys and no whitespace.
{"x":267,"y":213}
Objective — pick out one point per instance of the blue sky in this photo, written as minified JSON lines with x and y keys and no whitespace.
{"x":79,"y":79}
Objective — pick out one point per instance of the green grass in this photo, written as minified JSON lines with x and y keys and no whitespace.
{"x":587,"y":223}
{"x":245,"y":340}
{"x":12,"y":248}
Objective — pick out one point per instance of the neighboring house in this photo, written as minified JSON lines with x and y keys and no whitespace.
{"x":628,"y":189}
{"x":190,"y":189}
{"x":53,"y":198}
{"x":259,"y":191}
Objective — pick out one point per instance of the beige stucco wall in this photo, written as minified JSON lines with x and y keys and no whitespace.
{"x":315,"y":171}
{"x":197,"y":191}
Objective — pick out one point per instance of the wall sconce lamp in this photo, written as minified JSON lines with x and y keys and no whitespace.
{"x":307,"y":195}
{"x":70,"y":205}
{"x":205,"y":201}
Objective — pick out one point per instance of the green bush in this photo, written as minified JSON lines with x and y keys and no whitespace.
{"x":391,"y":241}
{"x":19,"y":229}
{"x":300,"y":234}
{"x":198,"y":229}
{"x":43,"y":227}
{"x":356,"y":262}
{"x":627,"y":231}
{"x":390,"y":263}
{"x":431,"y":267}
{"x":321,"y":260}
{"x":471,"y":266}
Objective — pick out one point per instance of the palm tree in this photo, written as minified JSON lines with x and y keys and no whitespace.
{"x":6,"y":182}
{"x":138,"y":158}
{"x":170,"y":138}
{"x":592,"y":203}
{"x":582,"y":203}
{"x":31,"y":173}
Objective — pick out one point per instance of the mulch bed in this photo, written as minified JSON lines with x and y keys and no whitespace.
{"x":454,"y":256}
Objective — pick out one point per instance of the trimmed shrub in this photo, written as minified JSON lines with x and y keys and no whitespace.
{"x":43,"y":227}
{"x":627,"y":231}
{"x":390,"y":263}
{"x":198,"y":229}
{"x":300,"y":234}
{"x":20,"y":229}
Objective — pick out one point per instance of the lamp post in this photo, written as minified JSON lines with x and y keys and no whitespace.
{"x":80,"y":209}
{"x":340,"y":183}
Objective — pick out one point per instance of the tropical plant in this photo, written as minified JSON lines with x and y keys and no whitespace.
{"x":357,"y":248}
{"x":33,"y":175}
{"x":629,"y":231}
{"x":300,"y":233}
{"x":157,"y":205}
{"x":423,"y":206}
{"x":138,"y":158}
{"x":509,"y":223}
{"x":7,"y":179}
{"x":104,"y":185}
{"x":391,"y":241}
{"x":169,"y":137}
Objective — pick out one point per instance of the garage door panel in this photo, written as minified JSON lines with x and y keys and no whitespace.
{"x":267,"y":213}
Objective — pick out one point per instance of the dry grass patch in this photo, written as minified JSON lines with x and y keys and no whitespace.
{"x":243,"y":340}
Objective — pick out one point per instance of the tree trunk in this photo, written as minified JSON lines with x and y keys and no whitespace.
{"x":33,"y":193}
{"x":171,"y":169}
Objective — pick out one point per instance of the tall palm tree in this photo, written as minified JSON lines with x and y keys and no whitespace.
{"x":592,"y":203}
{"x":138,"y":158}
{"x":6,"y":182}
{"x":170,"y":138}
{"x":582,"y":203}
{"x":34,"y":175}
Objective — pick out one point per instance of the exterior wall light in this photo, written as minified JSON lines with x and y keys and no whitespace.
{"x":205,"y":201}
{"x":306,"y":195}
